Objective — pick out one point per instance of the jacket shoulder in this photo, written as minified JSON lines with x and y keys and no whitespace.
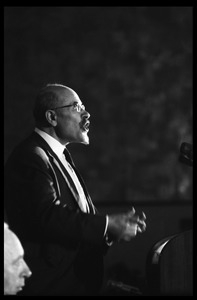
{"x":29,"y":150}
{"x":39,"y":151}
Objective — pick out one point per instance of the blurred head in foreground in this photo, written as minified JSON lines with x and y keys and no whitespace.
{"x":15,"y":268}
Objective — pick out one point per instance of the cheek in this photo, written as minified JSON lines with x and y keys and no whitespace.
{"x":69,"y":131}
{"x":10,"y":278}
{"x":69,"y":128}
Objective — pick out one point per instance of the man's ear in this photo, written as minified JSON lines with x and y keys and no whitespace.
{"x":51,"y":117}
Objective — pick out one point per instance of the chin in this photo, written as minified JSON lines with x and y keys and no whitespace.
{"x":86,"y":142}
{"x":85,"y":139}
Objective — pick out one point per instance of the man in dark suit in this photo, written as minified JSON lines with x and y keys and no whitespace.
{"x":48,"y":205}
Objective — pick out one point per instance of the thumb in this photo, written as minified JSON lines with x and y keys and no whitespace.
{"x":131,"y":212}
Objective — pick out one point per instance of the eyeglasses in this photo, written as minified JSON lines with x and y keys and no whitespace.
{"x":76,"y":106}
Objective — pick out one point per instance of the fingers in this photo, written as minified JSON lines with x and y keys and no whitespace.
{"x":141,"y":227}
{"x":136,"y":219}
{"x":126,"y":226}
{"x":131,"y":213}
{"x":143,"y":216}
{"x":141,"y":223}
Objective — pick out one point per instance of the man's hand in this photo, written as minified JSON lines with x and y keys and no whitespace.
{"x":125,"y":226}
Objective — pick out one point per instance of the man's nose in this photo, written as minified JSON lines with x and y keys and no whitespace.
{"x":86,"y":114}
{"x":26,"y":271}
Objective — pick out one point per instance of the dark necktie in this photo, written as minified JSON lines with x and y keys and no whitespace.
{"x":69,"y":157}
{"x":70,"y":160}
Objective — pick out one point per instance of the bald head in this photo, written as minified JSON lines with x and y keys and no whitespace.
{"x":15,"y":268}
{"x":51,"y":96}
{"x":60,"y":113}
{"x":10,"y":243}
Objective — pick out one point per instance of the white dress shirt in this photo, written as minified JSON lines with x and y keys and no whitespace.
{"x":58,"y":148}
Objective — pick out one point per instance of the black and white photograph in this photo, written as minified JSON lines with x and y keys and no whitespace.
{"x":98,"y":150}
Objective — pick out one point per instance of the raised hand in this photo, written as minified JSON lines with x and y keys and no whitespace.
{"x":125,"y":226}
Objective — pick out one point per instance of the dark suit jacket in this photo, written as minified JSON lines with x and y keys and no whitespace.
{"x":64,"y":247}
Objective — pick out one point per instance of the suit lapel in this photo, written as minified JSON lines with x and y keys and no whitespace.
{"x":70,"y":160}
{"x":92,"y":207}
{"x":55,"y":160}
{"x":67,"y":178}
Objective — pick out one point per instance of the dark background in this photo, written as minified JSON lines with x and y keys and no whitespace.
{"x":132,"y":68}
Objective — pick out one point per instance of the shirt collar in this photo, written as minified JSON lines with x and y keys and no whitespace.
{"x":56,"y":146}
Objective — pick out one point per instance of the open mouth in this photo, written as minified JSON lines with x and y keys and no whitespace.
{"x":85,"y":126}
{"x":19,"y":288}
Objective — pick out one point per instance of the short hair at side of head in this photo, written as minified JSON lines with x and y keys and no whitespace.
{"x":46,"y":99}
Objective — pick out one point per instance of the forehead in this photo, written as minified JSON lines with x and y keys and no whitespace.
{"x":67,"y":96}
{"x":12,"y":246}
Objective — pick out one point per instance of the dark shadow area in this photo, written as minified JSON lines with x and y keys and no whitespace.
{"x":132,"y":68}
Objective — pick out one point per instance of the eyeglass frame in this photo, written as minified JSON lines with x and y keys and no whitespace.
{"x":80,"y":107}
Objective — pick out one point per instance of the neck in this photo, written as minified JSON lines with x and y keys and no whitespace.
{"x":50,"y":131}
